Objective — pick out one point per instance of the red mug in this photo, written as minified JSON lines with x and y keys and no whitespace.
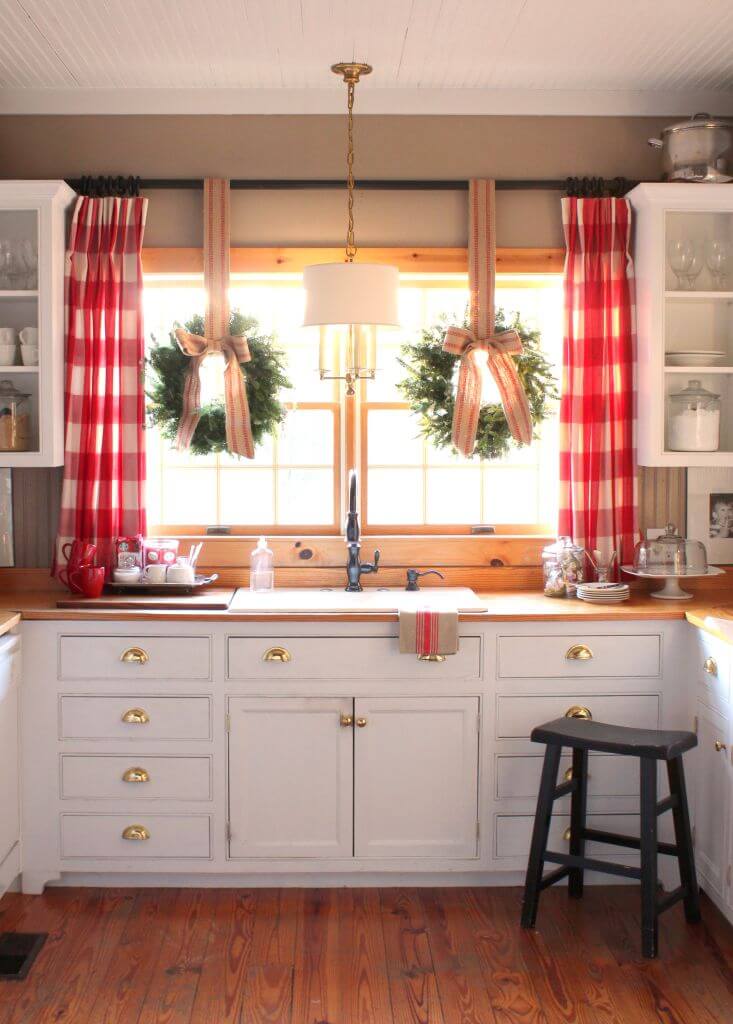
{"x":88,"y":580}
{"x":77,"y":553}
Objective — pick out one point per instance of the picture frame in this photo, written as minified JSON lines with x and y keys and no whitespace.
{"x":710,"y":512}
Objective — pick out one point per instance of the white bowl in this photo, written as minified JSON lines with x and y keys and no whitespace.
{"x":29,"y":355}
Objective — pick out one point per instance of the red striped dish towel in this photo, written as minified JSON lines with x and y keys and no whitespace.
{"x":427,"y":631}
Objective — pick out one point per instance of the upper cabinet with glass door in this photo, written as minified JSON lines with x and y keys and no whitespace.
{"x":32,"y":246}
{"x":683,"y":257}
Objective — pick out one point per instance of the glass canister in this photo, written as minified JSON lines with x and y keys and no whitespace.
{"x":15,"y":420}
{"x":563,"y":565}
{"x":662,"y":556}
{"x":694,"y":419}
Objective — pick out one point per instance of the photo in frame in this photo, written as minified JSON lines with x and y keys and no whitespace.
{"x":710,"y":512}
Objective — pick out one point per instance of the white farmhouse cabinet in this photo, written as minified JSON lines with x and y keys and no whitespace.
{"x":32,"y":248}
{"x":684,"y":333}
{"x":712,"y":799}
{"x":9,"y":780}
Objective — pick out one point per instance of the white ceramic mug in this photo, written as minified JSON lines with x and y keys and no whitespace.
{"x":7,"y":355}
{"x":154,"y":574}
{"x":182,"y":572}
{"x":7,"y":336}
{"x":131,"y":575}
{"x":29,"y":336}
{"x":29,"y":355}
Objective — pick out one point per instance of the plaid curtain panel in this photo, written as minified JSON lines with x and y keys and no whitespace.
{"x":104,"y":468}
{"x":598,"y":490}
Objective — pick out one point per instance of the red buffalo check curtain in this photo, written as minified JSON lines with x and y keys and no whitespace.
{"x":598,"y":495}
{"x":104,"y":469}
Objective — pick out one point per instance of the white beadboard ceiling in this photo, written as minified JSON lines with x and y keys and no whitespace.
{"x":430,"y":56}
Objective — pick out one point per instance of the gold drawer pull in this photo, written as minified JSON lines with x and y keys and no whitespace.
{"x":136,"y":775}
{"x":719,"y":745}
{"x":578,"y":652}
{"x":136,"y":833}
{"x":711,"y":666}
{"x":347,"y":720}
{"x":436,"y":658}
{"x":568,"y":774}
{"x":277,"y":654}
{"x":567,"y":834}
{"x":135,"y":656}
{"x":361,"y":722}
{"x":136,"y":716}
{"x":578,"y":711}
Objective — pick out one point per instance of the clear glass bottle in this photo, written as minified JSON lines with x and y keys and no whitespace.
{"x":15,"y":420}
{"x":262,"y":568}
{"x":564,"y":568}
{"x":694,"y":419}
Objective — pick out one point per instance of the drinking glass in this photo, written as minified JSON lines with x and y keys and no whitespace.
{"x":718,"y":259}
{"x":685,"y":259}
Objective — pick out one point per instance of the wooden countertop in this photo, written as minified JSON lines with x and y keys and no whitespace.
{"x":8,"y":620}
{"x":503,"y":606}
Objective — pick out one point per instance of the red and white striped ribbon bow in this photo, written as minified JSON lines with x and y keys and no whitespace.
{"x":479,"y":347}
{"x":216,"y":325}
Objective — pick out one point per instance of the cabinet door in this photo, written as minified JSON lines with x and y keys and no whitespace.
{"x":712,"y":798}
{"x":9,"y":798}
{"x":290,"y":777}
{"x":416,"y":776}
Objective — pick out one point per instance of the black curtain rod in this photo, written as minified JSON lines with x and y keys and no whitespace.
{"x":371,"y":184}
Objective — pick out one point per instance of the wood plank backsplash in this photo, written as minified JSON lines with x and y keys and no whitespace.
{"x":662,"y":497}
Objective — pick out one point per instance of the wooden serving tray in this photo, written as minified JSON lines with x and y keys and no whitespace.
{"x":215,"y":599}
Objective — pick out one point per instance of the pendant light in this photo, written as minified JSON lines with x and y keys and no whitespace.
{"x":349,"y":300}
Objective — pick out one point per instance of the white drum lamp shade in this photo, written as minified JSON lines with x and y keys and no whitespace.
{"x":351,"y":293}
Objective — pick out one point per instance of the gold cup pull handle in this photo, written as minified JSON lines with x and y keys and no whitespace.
{"x":361,"y":722}
{"x":136,"y":833}
{"x":567,"y":834}
{"x":280,"y":654}
{"x":568,"y":776}
{"x":435,"y":658}
{"x":136,"y":716}
{"x":578,"y":711}
{"x":346,"y":721}
{"x":719,"y":745}
{"x":135,"y":656}
{"x":711,"y":666}
{"x":136,"y":775}
{"x":578,"y":652}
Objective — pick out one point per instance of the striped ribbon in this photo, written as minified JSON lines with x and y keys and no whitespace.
{"x":480,"y":347}
{"x":216,"y":330}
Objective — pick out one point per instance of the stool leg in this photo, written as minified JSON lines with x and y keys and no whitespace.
{"x":539,"y":835}
{"x":648,"y":846}
{"x":683,"y":839}
{"x":578,"y":804}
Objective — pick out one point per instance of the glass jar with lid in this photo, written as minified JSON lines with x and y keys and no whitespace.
{"x":694,"y":419}
{"x":563,"y":565}
{"x":14,"y":418}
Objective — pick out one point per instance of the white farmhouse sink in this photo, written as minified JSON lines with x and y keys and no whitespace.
{"x":374,"y":599}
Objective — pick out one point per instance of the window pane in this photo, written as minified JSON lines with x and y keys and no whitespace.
{"x":306,"y":438}
{"x":305,"y":496}
{"x":453,"y":495}
{"x":393,"y":438}
{"x":247,"y":496}
{"x":189,"y":496}
{"x":510,"y":496}
{"x":395,"y":496}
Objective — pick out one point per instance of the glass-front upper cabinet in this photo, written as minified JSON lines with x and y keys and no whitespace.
{"x":683,"y":257}
{"x":33,"y":219}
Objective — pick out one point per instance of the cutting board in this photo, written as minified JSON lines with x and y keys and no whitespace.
{"x":215,"y":599}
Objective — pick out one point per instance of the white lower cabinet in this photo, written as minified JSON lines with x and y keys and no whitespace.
{"x":9,"y":781}
{"x":712,"y":796}
{"x":369,"y":777}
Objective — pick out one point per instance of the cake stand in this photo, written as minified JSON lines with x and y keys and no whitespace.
{"x":671,"y":591}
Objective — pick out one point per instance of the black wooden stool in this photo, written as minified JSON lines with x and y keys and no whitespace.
{"x":650,"y":746}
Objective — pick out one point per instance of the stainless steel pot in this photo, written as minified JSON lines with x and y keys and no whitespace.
{"x":700,"y":149}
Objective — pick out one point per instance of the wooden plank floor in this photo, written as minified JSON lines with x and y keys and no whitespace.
{"x":361,"y":956}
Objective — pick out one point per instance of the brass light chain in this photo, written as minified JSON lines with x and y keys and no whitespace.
{"x":350,"y":242}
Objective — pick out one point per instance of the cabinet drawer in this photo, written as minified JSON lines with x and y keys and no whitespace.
{"x":514,"y":834}
{"x":145,"y":657}
{"x":134,"y":778}
{"x":533,"y":656}
{"x":516,"y":717}
{"x":182,"y":836}
{"x":518,"y":776}
{"x":345,"y":658}
{"x":168,"y":718}
{"x":712,"y":670}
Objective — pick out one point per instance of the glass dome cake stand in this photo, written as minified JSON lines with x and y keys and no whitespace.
{"x":672,"y":591}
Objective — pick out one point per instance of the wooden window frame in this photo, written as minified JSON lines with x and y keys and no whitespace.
{"x":350,"y":437}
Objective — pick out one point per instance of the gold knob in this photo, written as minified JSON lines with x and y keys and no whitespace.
{"x":135,"y":656}
{"x":361,"y":722}
{"x":136,"y":716}
{"x":568,"y":775}
{"x":136,"y":832}
{"x":136,"y":775}
{"x":347,"y":720}
{"x":578,"y":652}
{"x":437,"y":658}
{"x":578,"y":711}
{"x":277,"y":654}
{"x":567,"y":834}
{"x":711,"y":666}
{"x":719,"y":745}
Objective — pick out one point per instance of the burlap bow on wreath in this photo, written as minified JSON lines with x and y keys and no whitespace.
{"x":216,"y":324}
{"x":480,"y":347}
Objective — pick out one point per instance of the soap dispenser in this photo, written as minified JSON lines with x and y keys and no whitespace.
{"x":261,"y":568}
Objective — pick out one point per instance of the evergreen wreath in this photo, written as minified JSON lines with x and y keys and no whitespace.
{"x":430,"y":387}
{"x":264,"y":377}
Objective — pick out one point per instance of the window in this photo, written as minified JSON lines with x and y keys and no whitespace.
{"x":294,"y":484}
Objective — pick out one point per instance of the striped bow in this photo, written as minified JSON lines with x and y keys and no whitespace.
{"x":236,"y":407}
{"x":496,"y":352}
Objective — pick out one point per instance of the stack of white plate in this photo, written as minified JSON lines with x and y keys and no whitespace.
{"x":604,"y":593}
